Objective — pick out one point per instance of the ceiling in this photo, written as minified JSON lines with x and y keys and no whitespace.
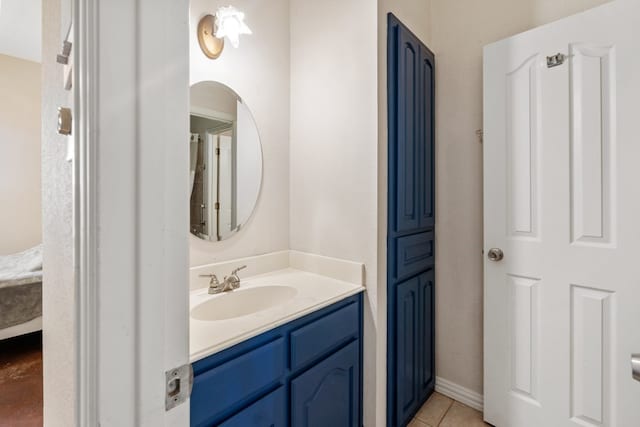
{"x":21,"y":29}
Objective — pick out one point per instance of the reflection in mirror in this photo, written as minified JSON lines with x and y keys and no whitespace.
{"x":225,"y":162}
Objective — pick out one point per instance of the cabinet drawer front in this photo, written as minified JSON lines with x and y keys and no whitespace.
{"x":320,"y":337}
{"x":328,"y":394}
{"x":270,"y":411}
{"x":237,"y":380}
{"x":414,"y":254}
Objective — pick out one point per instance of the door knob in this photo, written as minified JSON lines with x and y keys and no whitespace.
{"x":635,"y":366}
{"x":495,"y":254}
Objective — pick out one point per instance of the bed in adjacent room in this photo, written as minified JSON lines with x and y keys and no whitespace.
{"x":21,"y":293}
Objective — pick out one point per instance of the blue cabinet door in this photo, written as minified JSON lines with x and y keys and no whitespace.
{"x":411,"y":126}
{"x":414,"y":345}
{"x":406,"y":334}
{"x":270,"y":411}
{"x":426,"y":125}
{"x":328,"y":395}
{"x":405,"y":154}
{"x":426,"y":355}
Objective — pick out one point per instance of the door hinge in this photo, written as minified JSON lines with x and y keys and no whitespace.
{"x":179,"y":382}
{"x":217,"y":151}
{"x":556,"y":60}
{"x":217,"y":206}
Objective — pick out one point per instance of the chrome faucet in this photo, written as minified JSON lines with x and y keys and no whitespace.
{"x":214,"y":284}
{"x":230,"y":283}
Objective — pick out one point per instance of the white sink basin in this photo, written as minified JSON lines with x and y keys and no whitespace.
{"x":242,"y":302}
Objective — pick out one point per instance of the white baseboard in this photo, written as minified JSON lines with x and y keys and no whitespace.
{"x":459,"y":393}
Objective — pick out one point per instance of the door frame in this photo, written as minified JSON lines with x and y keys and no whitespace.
{"x":130,"y":208}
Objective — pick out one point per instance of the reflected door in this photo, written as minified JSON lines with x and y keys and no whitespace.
{"x":226,"y":185}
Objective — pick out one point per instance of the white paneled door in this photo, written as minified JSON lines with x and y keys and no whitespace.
{"x":562,"y":210}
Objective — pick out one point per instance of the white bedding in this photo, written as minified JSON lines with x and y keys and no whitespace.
{"x":21,"y":268}
{"x":21,"y":292}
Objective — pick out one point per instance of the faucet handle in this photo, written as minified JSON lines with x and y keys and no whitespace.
{"x":213,"y":277}
{"x":235,"y":272}
{"x":233,"y":281}
{"x":214,"y":284}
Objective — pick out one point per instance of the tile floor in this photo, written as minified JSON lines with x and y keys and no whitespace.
{"x":21,"y":381}
{"x":441,"y":411}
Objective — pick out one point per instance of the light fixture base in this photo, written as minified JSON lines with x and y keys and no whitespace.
{"x":211,"y":45}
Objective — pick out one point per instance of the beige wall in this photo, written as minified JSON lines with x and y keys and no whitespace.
{"x":20,"y":215}
{"x":333,"y":163}
{"x":459,"y":30}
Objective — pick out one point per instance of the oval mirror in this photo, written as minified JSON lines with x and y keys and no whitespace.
{"x":225,"y":170}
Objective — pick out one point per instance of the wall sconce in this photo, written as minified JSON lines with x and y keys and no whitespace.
{"x":228,"y":22}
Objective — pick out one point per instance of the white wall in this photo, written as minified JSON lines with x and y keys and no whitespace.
{"x":259,"y":72}
{"x":58,"y":292}
{"x":333,"y":146}
{"x":459,"y":31}
{"x":20,"y":123}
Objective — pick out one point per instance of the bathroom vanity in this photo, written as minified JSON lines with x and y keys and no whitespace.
{"x":278,"y":343}
{"x":295,"y":361}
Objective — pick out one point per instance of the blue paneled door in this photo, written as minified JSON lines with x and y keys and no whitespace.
{"x":327,"y":395}
{"x":426,"y":306}
{"x":407,"y":342}
{"x":413,"y":345}
{"x":410,"y":262}
{"x":406,"y":150}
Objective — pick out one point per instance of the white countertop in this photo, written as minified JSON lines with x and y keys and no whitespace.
{"x":314,"y":292}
